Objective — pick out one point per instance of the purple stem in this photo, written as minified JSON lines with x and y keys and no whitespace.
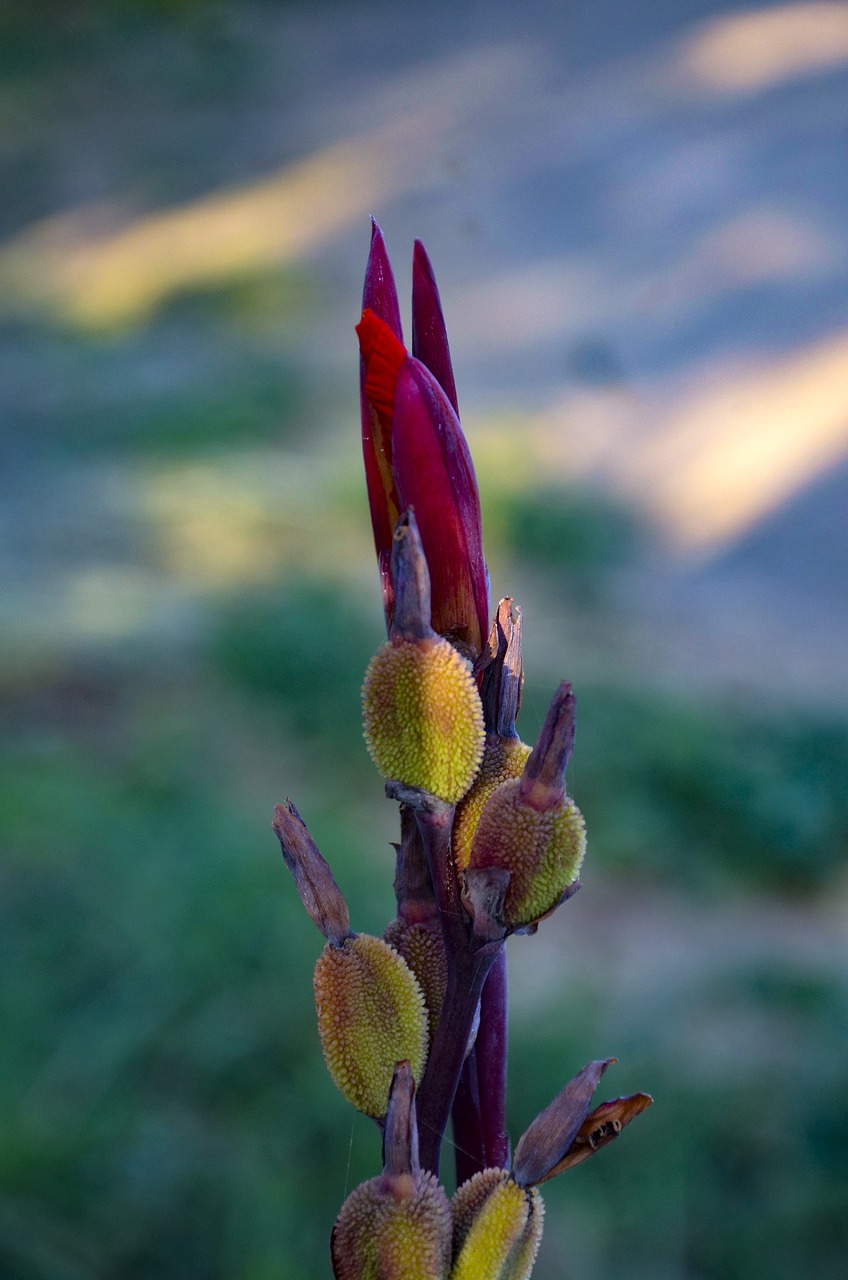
{"x":491,"y":1065}
{"x":469,"y":1152}
{"x":469,"y":962}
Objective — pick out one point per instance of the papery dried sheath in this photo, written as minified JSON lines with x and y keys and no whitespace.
{"x":568,"y":1132}
{"x":601,"y":1127}
{"x":553,"y":1131}
{"x":313,"y":879}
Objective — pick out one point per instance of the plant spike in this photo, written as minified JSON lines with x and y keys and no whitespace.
{"x":490,"y":844}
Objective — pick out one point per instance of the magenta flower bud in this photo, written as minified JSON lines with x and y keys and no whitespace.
{"x":379,"y":293}
{"x":416,"y":455}
{"x":379,"y":296}
{"x":429,"y":336}
{"x":434,"y":475}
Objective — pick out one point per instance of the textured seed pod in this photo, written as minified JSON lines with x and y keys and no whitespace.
{"x":542,"y":850}
{"x":423,"y":949}
{"x":497,"y":1226}
{"x":523,"y":1254}
{"x":380,"y":1235}
{"x":370,"y":1014}
{"x":503,"y":758}
{"x":423,"y":717}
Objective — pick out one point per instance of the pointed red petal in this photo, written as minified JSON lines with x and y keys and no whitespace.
{"x":434,"y":474}
{"x":379,"y":296}
{"x":429,"y":336}
{"x":379,"y":293}
{"x":382,"y":355}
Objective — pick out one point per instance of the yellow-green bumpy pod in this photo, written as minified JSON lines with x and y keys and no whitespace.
{"x":423,"y":949}
{"x":543,"y":850}
{"x":371,"y":1013}
{"x":503,"y":758}
{"x":423,"y":716}
{"x":381,"y":1235}
{"x":497,"y":1227}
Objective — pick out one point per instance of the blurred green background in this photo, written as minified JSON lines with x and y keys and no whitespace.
{"x":634,"y":212}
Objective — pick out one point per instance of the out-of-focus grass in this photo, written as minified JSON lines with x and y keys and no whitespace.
{"x":574,"y":532}
{"x":162,"y":1108}
{"x":735,"y":1171}
{"x":165,"y":1110}
{"x":702,"y":795}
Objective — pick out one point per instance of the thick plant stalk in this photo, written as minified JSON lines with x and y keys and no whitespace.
{"x":490,"y":844}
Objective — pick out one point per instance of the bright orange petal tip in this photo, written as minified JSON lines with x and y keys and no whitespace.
{"x":384,"y":355}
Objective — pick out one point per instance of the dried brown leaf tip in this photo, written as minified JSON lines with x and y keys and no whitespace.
{"x":313,"y":879}
{"x":568,"y":1132}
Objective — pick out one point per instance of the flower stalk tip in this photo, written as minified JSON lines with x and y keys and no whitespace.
{"x":413,"y":1024}
{"x":415,"y":452}
{"x":379,"y":292}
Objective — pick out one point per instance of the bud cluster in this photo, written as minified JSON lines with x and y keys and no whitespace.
{"x":413,"y":1025}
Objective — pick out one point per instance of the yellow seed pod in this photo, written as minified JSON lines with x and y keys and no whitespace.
{"x":382,"y":1236}
{"x":423,"y":949}
{"x":370,"y":1014}
{"x":494,"y":1233}
{"x":423,"y":717}
{"x":523,"y":1255}
{"x":542,"y":850}
{"x":503,"y":758}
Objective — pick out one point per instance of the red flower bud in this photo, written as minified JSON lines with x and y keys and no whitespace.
{"x":415,"y":452}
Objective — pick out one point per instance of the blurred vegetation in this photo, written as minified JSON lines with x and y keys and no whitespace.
{"x":165,"y":1110}
{"x":163,"y":1107}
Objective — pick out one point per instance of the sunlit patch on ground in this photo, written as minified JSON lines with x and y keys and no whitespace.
{"x":751,"y":52}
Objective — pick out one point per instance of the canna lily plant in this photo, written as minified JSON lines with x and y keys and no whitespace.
{"x":413,"y":1025}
